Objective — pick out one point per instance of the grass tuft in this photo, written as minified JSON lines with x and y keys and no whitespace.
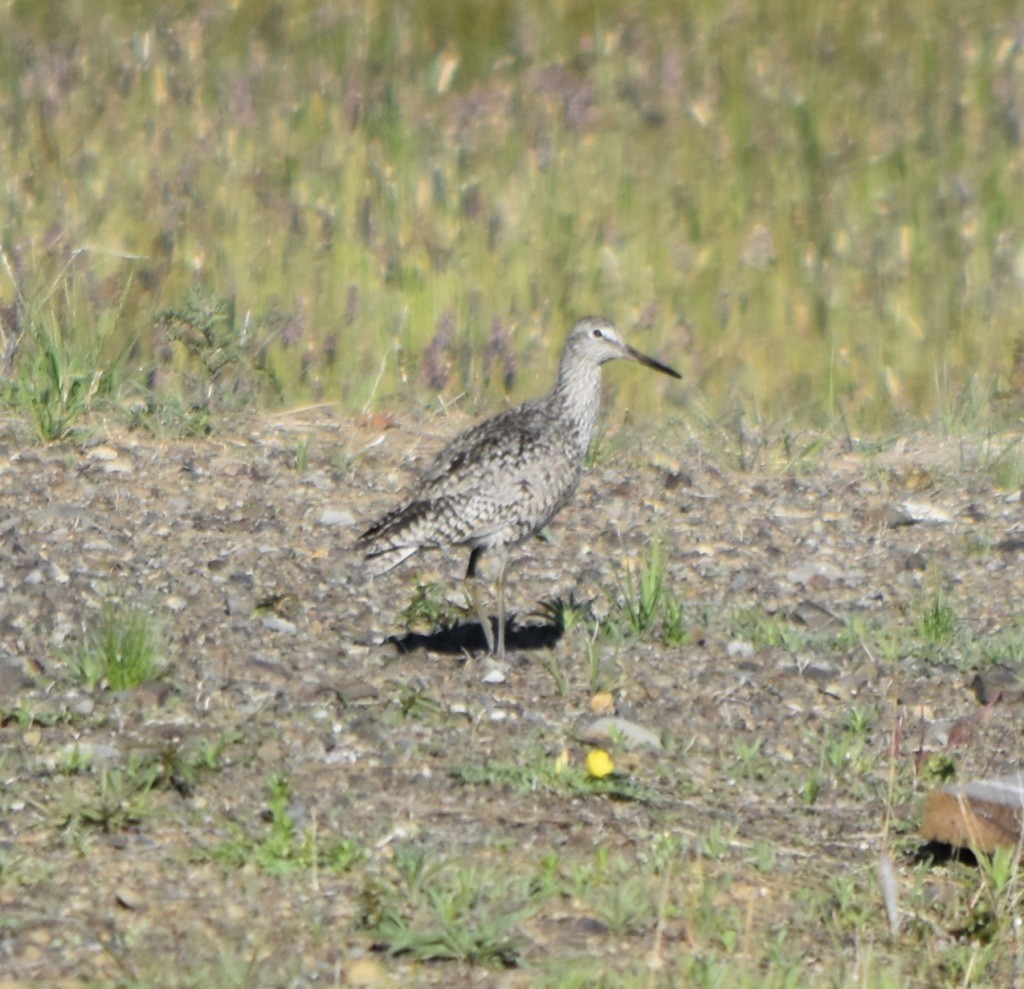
{"x":434,"y":910}
{"x":282,"y":848}
{"x":124,"y":650}
{"x":645,"y":604}
{"x":60,"y":370}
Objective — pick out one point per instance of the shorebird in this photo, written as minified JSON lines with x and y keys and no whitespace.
{"x":500,"y":482}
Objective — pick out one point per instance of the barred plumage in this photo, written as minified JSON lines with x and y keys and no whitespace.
{"x":503,"y":480}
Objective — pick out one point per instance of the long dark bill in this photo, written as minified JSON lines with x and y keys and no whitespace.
{"x":651,"y":362}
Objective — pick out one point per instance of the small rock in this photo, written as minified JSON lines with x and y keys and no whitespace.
{"x":320,"y":481}
{"x":83,"y":706}
{"x":816,"y":575}
{"x":365,"y":972}
{"x":58,"y":575}
{"x":337,"y":516}
{"x":916,"y":561}
{"x":916,"y":513}
{"x":357,"y":690}
{"x":612,"y":729}
{"x":495,"y":675}
{"x":664,"y":462}
{"x":12,"y":678}
{"x":739,"y":648}
{"x":844,"y":689}
{"x":817,"y":671}
{"x":1000,"y":683}
{"x":933,"y":734}
{"x":341,"y":757}
{"x":674,"y":478}
{"x":106,"y":453}
{"x":128,"y":898}
{"x":817,"y":617}
{"x":275,"y":624}
{"x":118,"y":466}
{"x":267,"y":669}
{"x":152,"y":693}
{"x":175,"y":603}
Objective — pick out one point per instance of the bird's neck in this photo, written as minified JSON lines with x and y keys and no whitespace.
{"x":576,"y":398}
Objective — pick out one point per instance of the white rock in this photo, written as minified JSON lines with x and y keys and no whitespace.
{"x":738,"y":647}
{"x":922,"y":512}
{"x":275,"y":624}
{"x":103,"y":453}
{"x":612,"y":729}
{"x":337,"y":516}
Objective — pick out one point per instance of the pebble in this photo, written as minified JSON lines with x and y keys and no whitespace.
{"x":916,"y":561}
{"x":739,"y":648}
{"x":934,"y":734}
{"x":843,"y":689}
{"x":816,"y":616}
{"x":998,"y":683}
{"x":107,"y":453}
{"x":612,"y":729}
{"x":915,"y":513}
{"x":128,"y":898}
{"x":82,"y":705}
{"x":58,"y":575}
{"x":813,"y":574}
{"x":341,"y":757}
{"x":337,"y":516}
{"x":275,"y":624}
{"x":365,"y":972}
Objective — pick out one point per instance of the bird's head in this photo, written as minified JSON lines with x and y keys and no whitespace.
{"x":596,"y":339}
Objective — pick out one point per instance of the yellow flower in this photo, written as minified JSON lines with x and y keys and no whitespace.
{"x":599,"y":763}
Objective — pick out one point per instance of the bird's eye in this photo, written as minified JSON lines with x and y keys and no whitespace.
{"x":596,"y":333}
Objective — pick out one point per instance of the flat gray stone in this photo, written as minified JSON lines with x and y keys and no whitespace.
{"x":337,"y":516}
{"x":613,"y":729}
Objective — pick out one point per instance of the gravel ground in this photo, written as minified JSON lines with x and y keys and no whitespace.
{"x":791,"y":729}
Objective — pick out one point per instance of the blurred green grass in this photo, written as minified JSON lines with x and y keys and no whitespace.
{"x":813,"y":209}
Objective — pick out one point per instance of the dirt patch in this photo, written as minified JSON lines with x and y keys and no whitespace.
{"x":296,"y":795}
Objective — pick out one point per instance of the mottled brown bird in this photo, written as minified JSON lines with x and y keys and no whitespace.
{"x":502,"y":481}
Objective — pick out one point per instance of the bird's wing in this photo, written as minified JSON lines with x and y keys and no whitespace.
{"x":500,"y":481}
{"x":474,"y":459}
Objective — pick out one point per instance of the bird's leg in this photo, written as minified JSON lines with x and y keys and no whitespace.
{"x":474,"y":592}
{"x":501,"y":606}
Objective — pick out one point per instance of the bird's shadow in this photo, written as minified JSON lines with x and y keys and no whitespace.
{"x":468,"y":637}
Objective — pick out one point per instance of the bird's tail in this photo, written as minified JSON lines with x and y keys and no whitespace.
{"x":377,"y":562}
{"x":391,"y":539}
